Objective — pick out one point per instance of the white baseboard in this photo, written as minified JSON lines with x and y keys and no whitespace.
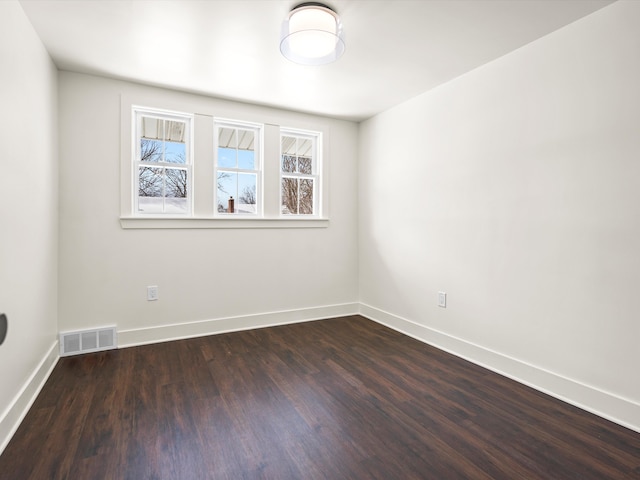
{"x":15,"y":413}
{"x":604,"y":404}
{"x":164,"y":333}
{"x":619,"y":410}
{"x":17,"y":410}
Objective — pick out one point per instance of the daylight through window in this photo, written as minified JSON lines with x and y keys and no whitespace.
{"x":163,"y":163}
{"x":238,"y":169}
{"x":197,"y":170}
{"x":299,"y":169}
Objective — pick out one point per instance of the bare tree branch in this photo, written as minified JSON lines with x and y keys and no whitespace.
{"x":248,"y":196}
{"x":297,"y":193}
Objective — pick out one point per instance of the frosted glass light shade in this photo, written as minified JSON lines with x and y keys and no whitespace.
{"x":312,"y":35}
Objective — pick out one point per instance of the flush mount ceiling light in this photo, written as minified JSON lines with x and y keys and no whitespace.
{"x":312,"y":35}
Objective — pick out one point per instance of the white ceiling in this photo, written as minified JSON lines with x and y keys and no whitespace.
{"x":396,"y":49}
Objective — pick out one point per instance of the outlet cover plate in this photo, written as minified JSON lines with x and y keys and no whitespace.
{"x":442,"y":299}
{"x":152,"y":293}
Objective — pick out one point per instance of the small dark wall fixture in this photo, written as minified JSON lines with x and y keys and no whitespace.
{"x":3,"y":327}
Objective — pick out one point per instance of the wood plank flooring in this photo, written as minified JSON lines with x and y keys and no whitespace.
{"x":343,"y":398}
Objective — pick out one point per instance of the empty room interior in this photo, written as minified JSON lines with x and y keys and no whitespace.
{"x":415,"y":254}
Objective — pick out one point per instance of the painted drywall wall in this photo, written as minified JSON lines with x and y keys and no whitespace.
{"x":515,"y":190}
{"x":28,"y":213}
{"x":203,"y":275}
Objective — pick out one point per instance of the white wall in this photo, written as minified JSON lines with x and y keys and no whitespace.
{"x":28,"y":214}
{"x":203,"y":275}
{"x":513,"y":188}
{"x":516,"y":189}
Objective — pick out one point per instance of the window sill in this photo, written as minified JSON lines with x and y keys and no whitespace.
{"x":207,"y":222}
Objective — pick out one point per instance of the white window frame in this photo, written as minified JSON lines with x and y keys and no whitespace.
{"x":258,"y":150}
{"x":316,"y":171}
{"x":137,"y":114}
{"x":203,"y":214}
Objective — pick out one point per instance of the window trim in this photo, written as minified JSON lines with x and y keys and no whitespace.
{"x":258,"y":150}
{"x":202,"y":214}
{"x":316,"y":138}
{"x":137,"y":112}
{"x":167,"y":223}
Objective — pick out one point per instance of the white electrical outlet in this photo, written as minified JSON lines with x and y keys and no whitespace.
{"x":442,"y":299}
{"x":152,"y":292}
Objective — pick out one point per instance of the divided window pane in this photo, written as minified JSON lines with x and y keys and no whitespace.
{"x":297,"y":196}
{"x":299,"y":173}
{"x":163,"y":190}
{"x":163,"y":164}
{"x":162,"y":169}
{"x":150,"y":150}
{"x":237,"y":170}
{"x":175,"y":152}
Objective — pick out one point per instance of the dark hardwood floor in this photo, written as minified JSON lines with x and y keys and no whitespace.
{"x":334,"y":399}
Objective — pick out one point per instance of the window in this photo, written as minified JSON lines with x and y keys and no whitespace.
{"x":163,"y":165}
{"x":181,"y":169}
{"x":299,"y":167}
{"x":238,"y":170}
